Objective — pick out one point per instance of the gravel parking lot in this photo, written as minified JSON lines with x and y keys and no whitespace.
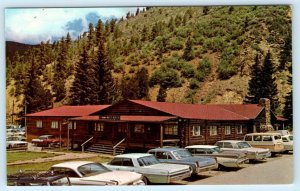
{"x":263,"y":172}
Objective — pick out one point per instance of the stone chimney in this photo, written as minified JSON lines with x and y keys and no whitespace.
{"x":267,"y":126}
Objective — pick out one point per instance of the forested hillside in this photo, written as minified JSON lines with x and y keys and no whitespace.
{"x":175,"y":54}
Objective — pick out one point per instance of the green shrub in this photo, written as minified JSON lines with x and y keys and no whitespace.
{"x":183,"y":32}
{"x":118,"y":67}
{"x":166,"y":77}
{"x":194,"y":84}
{"x":175,"y":44}
{"x":187,"y":70}
{"x":131,"y":70}
{"x":204,"y":66}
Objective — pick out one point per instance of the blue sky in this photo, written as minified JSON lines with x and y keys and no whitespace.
{"x":33,"y":25}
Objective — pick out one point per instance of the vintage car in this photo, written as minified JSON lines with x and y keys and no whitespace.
{"x":266,"y":140}
{"x":175,"y":155}
{"x":287,"y":143}
{"x":152,"y":170}
{"x":252,"y":153}
{"x":91,"y":173}
{"x":16,"y":142}
{"x":224,"y":158}
{"x":46,"y":141}
{"x":37,"y":179}
{"x":15,"y":132}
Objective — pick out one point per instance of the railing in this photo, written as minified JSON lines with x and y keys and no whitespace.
{"x":115,"y":147}
{"x":82,"y":145}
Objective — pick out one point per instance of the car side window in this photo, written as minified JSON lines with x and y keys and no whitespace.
{"x":267,"y":138}
{"x":257,"y":138}
{"x":127,"y":162}
{"x":192,"y":150}
{"x":65,"y":171}
{"x":219,"y":144}
{"x":284,"y":139}
{"x":227,"y":145}
{"x":200,"y":151}
{"x":116,"y":162}
{"x":248,"y":138}
{"x":162,"y":155}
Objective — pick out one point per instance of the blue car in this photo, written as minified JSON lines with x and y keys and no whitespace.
{"x":183,"y":156}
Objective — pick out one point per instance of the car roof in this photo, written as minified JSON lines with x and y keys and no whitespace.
{"x":164,"y":149}
{"x":202,"y":146}
{"x":133,"y":155}
{"x":72,"y":164}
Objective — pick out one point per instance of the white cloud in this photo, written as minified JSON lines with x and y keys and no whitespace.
{"x":38,"y":24}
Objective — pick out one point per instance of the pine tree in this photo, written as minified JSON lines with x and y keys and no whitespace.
{"x":269,"y":90}
{"x":142,"y":79}
{"x":288,"y":105}
{"x":205,"y":10}
{"x":60,"y":73}
{"x":99,"y":31}
{"x":137,"y":12}
{"x":91,"y":36}
{"x":188,"y":53}
{"x":171,"y":24}
{"x":104,"y":80}
{"x":145,"y":34}
{"x":36,"y":96}
{"x":254,"y":84}
{"x":286,"y":52}
{"x":83,"y":87}
{"x":162,"y":94}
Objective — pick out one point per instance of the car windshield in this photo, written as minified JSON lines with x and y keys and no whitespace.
{"x":92,"y":169}
{"x":180,"y":154}
{"x":215,"y":150}
{"x":148,"y":160}
{"x":242,"y":145}
{"x":291,"y":137}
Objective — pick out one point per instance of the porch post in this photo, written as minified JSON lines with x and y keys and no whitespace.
{"x":127,"y":135}
{"x":161,"y":135}
{"x":113,"y":132}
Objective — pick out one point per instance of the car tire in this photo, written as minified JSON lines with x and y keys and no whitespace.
{"x":146,"y":181}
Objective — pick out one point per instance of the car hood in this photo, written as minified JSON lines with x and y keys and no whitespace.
{"x":122,"y":177}
{"x":171,"y":168}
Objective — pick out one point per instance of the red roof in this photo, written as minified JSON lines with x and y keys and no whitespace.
{"x":127,"y":118}
{"x":281,"y":118}
{"x":206,"y":112}
{"x":69,"y":111}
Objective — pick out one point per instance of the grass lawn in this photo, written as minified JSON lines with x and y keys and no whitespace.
{"x":27,"y":155}
{"x":46,"y":165}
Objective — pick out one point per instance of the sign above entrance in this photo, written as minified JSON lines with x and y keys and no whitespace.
{"x":110,"y":117}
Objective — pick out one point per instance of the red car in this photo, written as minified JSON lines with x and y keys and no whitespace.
{"x":47,"y":141}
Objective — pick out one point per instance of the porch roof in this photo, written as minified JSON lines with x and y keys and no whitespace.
{"x":126,"y":118}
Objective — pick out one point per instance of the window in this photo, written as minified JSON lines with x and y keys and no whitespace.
{"x":72,"y":123}
{"x":127,"y":162}
{"x":284,"y":139}
{"x":196,"y":130}
{"x":257,"y":138}
{"x":227,"y":145}
{"x":171,"y":130}
{"x":240,"y":129}
{"x":122,"y":128}
{"x":54,"y":124}
{"x":248,"y":138}
{"x":163,"y":155}
{"x":39,"y":124}
{"x":139,"y":128}
{"x":227,"y":130}
{"x":116,"y":162}
{"x":99,"y":127}
{"x":267,"y":138}
{"x":213,"y":130}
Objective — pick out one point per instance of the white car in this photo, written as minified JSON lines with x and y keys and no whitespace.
{"x":152,"y":170}
{"x":16,"y":142}
{"x":91,"y":173}
{"x":224,"y":158}
{"x":252,"y":153}
{"x":287,"y":142}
